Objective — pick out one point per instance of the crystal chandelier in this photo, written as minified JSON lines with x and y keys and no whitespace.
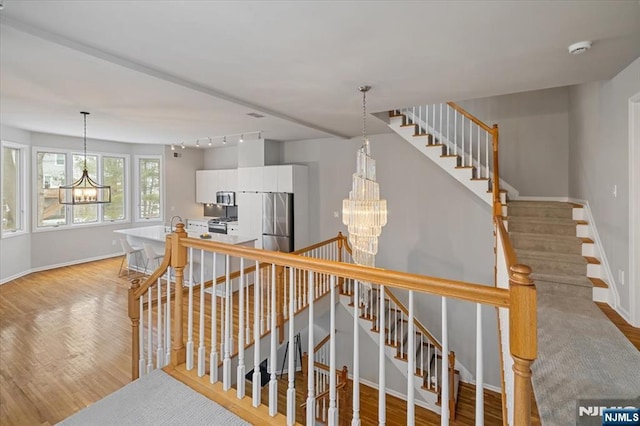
{"x":364,"y":212}
{"x":85,"y":190}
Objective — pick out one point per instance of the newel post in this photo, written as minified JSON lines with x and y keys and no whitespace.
{"x":523,"y":339}
{"x":134,"y":314}
{"x":340,"y":248}
{"x":497,"y":204}
{"x":178,"y":262}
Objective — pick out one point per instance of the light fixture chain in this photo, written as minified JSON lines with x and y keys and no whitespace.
{"x":364,"y":116}
{"x":85,"y":140}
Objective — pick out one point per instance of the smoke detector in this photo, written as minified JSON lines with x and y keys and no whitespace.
{"x":579,"y":47}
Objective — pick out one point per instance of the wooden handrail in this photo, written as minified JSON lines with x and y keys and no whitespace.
{"x":326,"y":393}
{"x":497,"y":205}
{"x":317,"y":245}
{"x":321,"y":343}
{"x":470,"y":116}
{"x":422,"y":328}
{"x":471,"y":292}
{"x":510,"y":253}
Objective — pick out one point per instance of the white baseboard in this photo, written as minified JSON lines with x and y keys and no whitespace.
{"x":58,"y":265}
{"x":492,"y":388}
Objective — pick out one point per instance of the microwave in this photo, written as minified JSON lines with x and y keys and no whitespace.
{"x":225,"y":198}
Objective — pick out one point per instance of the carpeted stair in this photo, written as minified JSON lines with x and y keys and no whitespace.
{"x":544,"y":236}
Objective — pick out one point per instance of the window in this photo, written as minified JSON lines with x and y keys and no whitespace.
{"x":12,"y":190}
{"x":149,"y":198}
{"x":50,"y":174}
{"x":114,"y":176}
{"x":55,"y":168}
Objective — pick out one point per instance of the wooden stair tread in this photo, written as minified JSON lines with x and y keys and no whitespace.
{"x":477,"y":178}
{"x":433,"y":144}
{"x":448,"y":156}
{"x":504,"y":191}
{"x":421,"y":134}
{"x":581,"y":222}
{"x":597,"y":282}
{"x":576,"y":205}
{"x":465,"y":167}
{"x":586,"y":240}
{"x":592,"y":260}
{"x":408,"y":125}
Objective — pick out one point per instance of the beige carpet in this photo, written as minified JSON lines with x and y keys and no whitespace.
{"x":581,"y":354}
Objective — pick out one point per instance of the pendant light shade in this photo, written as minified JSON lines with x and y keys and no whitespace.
{"x":85,"y":190}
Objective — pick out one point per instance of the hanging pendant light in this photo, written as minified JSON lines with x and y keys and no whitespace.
{"x":85,"y":190}
{"x":364,"y":212}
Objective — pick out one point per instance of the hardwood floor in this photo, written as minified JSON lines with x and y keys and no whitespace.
{"x":65,"y":343}
{"x":632,"y":333}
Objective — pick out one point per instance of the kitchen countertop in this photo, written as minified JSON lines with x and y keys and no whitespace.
{"x":157,"y":233}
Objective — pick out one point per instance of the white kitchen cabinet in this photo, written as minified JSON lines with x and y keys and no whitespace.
{"x":233,"y":229}
{"x":205,"y":186}
{"x":285,"y":178}
{"x":250,"y":215}
{"x":232,"y":180}
{"x":270,"y":179}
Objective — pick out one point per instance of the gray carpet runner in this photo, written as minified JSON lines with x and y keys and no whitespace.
{"x":581,"y":353}
{"x":154,"y":399}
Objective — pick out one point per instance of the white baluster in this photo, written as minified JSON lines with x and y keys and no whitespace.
{"x":160,"y":347}
{"x":189,"y":365}
{"x":311,"y":415}
{"x":441,"y":135}
{"x":411,"y":365}
{"x":273,"y":383}
{"x":264,"y":312}
{"x":421,"y":356}
{"x":419,"y":119}
{"x":257,"y":308}
{"x":291,"y":391}
{"x":413,"y":115}
{"x":141,"y":362}
{"x":247,"y":310}
{"x":433,"y":122}
{"x":355,"y":421}
{"x":429,"y":383}
{"x":382,"y":387}
{"x":478,"y":155}
{"x":479,"y":372}
{"x":333,"y":412}
{"x":226,"y":363}
{"x":213,"y":356}
{"x":444,"y":387}
{"x":149,"y":335}
{"x":486,"y":155}
{"x":470,"y":160}
{"x":167,"y":340}
{"x":455,"y":131}
{"x":240,"y":389}
{"x":448,"y":139}
{"x":463,"y":153}
{"x":201,"y":349}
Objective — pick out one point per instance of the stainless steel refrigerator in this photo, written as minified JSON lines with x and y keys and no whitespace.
{"x":277,"y":221}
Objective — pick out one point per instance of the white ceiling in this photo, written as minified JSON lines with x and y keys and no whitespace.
{"x":174,"y":71}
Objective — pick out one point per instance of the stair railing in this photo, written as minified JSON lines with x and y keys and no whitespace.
{"x":517,"y":298}
{"x":461,"y":135}
{"x":426,"y":360}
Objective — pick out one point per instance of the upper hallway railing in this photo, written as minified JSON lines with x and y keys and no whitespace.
{"x":303,"y":273}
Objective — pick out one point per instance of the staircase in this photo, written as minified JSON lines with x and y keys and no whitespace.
{"x":428,"y":359}
{"x":458,"y":142}
{"x":551,"y":237}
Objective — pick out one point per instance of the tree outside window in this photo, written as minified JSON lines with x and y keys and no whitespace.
{"x":51,"y":173}
{"x":11,"y":186}
{"x":113,"y":175}
{"x":85,"y":213}
{"x":149,"y":188}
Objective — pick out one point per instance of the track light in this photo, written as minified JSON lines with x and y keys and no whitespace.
{"x":210,"y":142}
{"x":224,"y":141}
{"x":197,"y":143}
{"x":173,"y":147}
{"x":241,"y":138}
{"x":182,"y":145}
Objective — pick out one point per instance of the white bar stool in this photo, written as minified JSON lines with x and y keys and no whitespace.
{"x":128,"y":251}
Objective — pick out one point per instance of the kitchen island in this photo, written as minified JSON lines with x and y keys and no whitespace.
{"x":156,"y":237}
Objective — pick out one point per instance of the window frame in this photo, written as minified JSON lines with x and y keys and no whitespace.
{"x":22,"y":189}
{"x":136,"y":187}
{"x":69,"y":220}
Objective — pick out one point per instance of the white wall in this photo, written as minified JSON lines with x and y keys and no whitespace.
{"x":225,"y":157}
{"x":599,"y":148}
{"x":13,"y":260}
{"x":436,"y":226}
{"x":180,"y":176}
{"x":534,"y":138}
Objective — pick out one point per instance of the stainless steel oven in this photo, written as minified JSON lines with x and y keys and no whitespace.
{"x":217,"y":226}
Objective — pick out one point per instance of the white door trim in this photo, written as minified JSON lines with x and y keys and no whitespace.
{"x":634,"y":209}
